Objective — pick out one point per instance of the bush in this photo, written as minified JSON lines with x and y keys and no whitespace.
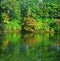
{"x":30,"y":24}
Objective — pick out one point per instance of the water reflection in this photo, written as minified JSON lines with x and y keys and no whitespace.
{"x":29,"y":47}
{"x":29,"y":39}
{"x":3,"y":42}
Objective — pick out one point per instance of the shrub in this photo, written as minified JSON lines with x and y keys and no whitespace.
{"x":30,"y":24}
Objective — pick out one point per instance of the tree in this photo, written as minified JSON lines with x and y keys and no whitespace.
{"x":30,"y":25}
{"x":11,"y":7}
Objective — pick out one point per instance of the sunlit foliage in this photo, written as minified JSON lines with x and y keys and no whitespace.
{"x":30,"y":24}
{"x":44,"y":13}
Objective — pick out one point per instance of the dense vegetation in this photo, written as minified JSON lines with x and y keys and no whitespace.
{"x":30,"y":15}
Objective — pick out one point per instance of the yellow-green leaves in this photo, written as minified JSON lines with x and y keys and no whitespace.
{"x":30,"y":24}
{"x":5,"y":18}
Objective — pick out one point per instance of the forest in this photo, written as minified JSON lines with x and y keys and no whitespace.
{"x":29,"y":30}
{"x":30,"y":15}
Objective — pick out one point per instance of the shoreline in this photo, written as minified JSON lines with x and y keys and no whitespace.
{"x":19,"y":31}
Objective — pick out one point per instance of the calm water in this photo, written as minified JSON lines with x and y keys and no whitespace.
{"x":29,"y":47}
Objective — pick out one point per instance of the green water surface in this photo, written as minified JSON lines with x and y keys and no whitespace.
{"x":29,"y":47}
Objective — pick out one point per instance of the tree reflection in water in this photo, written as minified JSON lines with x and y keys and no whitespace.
{"x":29,"y":47}
{"x":30,"y":39}
{"x":3,"y":43}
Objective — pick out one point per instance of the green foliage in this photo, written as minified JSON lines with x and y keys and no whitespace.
{"x":30,"y":24}
{"x":10,"y":6}
{"x":13,"y":25}
{"x":44,"y":13}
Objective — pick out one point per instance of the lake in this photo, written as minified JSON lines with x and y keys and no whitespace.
{"x":29,"y":47}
